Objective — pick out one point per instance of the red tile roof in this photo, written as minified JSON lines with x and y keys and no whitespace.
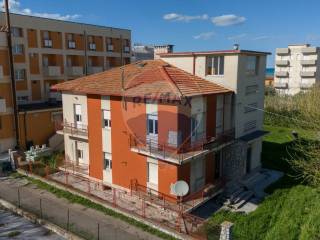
{"x":151,"y":79}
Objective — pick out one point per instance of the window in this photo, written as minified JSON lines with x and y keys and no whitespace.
{"x":215,"y":65}
{"x":107,"y":161}
{"x":80,"y":154}
{"x":92,"y":46}
{"x":248,"y":126}
{"x":106,"y":119}
{"x":47,"y":43}
{"x":71,"y":44}
{"x":251,"y":89}
{"x":16,"y":32}
{"x":252,"y":67}
{"x":197,"y":126}
{"x":152,"y":173}
{"x":19,"y":74}
{"x":109,"y":45}
{"x":45,"y":35}
{"x":78,"y":116}
{"x":45,"y":61}
{"x":252,"y":107}
{"x":17,"y":49}
{"x":152,"y":124}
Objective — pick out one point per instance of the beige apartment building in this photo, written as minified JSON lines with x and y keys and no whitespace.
{"x":243,"y":72}
{"x":47,"y":52}
{"x":297,"y":68}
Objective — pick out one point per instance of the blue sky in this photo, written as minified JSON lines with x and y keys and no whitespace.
{"x":193,"y":25}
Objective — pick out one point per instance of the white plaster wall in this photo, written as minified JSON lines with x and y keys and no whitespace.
{"x":183,"y":62}
{"x":68,"y":101}
{"x":7,"y":143}
{"x":106,"y":132}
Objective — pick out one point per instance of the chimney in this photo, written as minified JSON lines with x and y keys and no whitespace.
{"x":158,"y":49}
{"x":236,"y":46}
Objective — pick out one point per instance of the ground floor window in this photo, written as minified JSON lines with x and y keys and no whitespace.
{"x":107,"y":161}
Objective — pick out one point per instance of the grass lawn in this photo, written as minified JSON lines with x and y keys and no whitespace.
{"x":291,"y":211}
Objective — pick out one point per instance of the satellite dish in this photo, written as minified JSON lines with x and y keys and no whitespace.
{"x":180,"y":188}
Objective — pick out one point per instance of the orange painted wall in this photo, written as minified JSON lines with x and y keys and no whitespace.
{"x":127,"y":165}
{"x":4,"y":62}
{"x":34,"y":63}
{"x":168,"y":174}
{"x":95,"y":136}
{"x":32,"y":38}
{"x":7,"y":128}
{"x":5,"y":90}
{"x":31,"y":121}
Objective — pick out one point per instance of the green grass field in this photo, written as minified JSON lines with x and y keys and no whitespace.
{"x":291,"y":211}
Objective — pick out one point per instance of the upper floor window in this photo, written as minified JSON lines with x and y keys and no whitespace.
{"x":126,"y":44}
{"x":17,"y":49}
{"x":16,"y":32}
{"x":107,"y":161}
{"x":252,"y":66}
{"x":152,"y":124}
{"x":197,"y":126}
{"x":46,"y":35}
{"x":22,"y":99}
{"x":78,"y":114}
{"x":215,"y":65}
{"x":71,"y":42}
{"x":109,"y":44}
{"x":106,"y":119}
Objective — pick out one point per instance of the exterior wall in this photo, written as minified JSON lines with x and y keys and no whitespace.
{"x":95,"y":137}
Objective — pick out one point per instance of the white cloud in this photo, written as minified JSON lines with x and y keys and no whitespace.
{"x":227,"y":20}
{"x":236,"y":37}
{"x":261,"y":38}
{"x":184,"y":18}
{"x":15,"y":7}
{"x":204,"y":36}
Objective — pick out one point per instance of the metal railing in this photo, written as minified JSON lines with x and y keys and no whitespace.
{"x":75,"y":129}
{"x":182,"y":152}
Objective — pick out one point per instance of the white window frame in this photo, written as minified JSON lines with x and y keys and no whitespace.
{"x":19,"y":74}
{"x":48,"y":43}
{"x":154,"y":119}
{"x":17,"y":49}
{"x":78,"y":114}
{"x":210,"y":62}
{"x":71,"y":44}
{"x":106,"y":119}
{"x":92,"y":46}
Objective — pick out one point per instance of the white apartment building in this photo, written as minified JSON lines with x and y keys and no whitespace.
{"x":297,"y":68}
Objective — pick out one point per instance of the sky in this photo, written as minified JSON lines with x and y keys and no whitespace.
{"x":194,"y":25}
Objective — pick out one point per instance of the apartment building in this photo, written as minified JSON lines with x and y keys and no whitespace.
{"x":47,"y":52}
{"x":156,"y":122}
{"x":297,"y":68}
{"x":148,"y":52}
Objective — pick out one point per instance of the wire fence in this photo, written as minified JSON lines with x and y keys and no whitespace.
{"x":73,"y":218}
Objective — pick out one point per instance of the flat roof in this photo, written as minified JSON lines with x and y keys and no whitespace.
{"x":68,"y":21}
{"x":39,"y":106}
{"x":214,"y":52}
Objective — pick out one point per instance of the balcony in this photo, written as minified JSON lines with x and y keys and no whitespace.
{"x":282,"y":51}
{"x":3,"y":107}
{"x":75,"y":71}
{"x":282,"y":74}
{"x":52,"y":71}
{"x":73,"y":129}
{"x":71,"y":44}
{"x":307,"y":73}
{"x":306,"y":85}
{"x":166,"y":152}
{"x":280,"y":85}
{"x":55,"y":96}
{"x":282,"y":62}
{"x":309,"y":50}
{"x":96,"y":69}
{"x":3,"y":39}
{"x":308,"y":62}
{"x":92,"y":46}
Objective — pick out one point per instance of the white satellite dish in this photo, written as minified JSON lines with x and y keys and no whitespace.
{"x":180,"y":188}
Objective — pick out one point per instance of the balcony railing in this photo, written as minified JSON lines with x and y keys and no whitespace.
{"x":308,"y":62}
{"x":309,"y":50}
{"x":52,"y":71}
{"x":282,"y":74}
{"x":75,"y":129}
{"x":282,"y":62}
{"x":96,"y":69}
{"x":3,"y":107}
{"x":75,"y":71}
{"x":181,"y":153}
{"x":307,"y":73}
{"x":1,"y":72}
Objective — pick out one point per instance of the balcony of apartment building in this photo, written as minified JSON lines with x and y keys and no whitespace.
{"x":95,"y":64}
{"x":1,"y":72}
{"x":126,"y":46}
{"x":75,"y":65}
{"x":281,"y":83}
{"x":309,"y":50}
{"x":283,"y":63}
{"x":3,"y":106}
{"x":3,"y":39}
{"x":171,"y":152}
{"x":282,"y":51}
{"x":308,"y":72}
{"x":76,"y":129}
{"x":307,"y":83}
{"x":51,"y":39}
{"x":52,"y":65}
{"x":282,"y":73}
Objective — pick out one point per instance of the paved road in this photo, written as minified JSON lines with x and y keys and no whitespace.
{"x":83,"y":221}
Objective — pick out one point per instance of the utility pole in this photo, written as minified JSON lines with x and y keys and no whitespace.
{"x":13,"y":83}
